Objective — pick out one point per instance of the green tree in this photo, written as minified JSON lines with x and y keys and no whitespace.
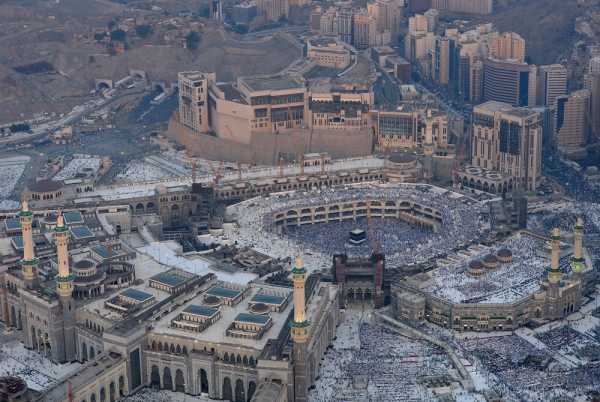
{"x":99,"y":36}
{"x":15,"y":128}
{"x":282,"y":19}
{"x":192,"y":40}
{"x":143,"y":30}
{"x":528,"y":60}
{"x":112,"y":25}
{"x":92,"y":59}
{"x":171,"y":27}
{"x":118,"y":34}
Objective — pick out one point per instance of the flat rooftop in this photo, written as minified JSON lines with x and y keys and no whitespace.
{"x":84,"y":374}
{"x":252,"y":318}
{"x":323,"y":41}
{"x":273,"y":83}
{"x":231,"y":93}
{"x":223,"y":292}
{"x":168,"y":279}
{"x":267,"y":299}
{"x":200,"y":310}
{"x":81,"y":232}
{"x":13,"y":223}
{"x":493,"y":106}
{"x":240,"y":313}
{"x":102,"y":251}
{"x":136,"y":294}
{"x":72,"y":217}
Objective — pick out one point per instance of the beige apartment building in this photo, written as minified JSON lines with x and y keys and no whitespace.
{"x":387,"y":17}
{"x":404,"y":125}
{"x":329,"y":52}
{"x":418,"y":23}
{"x":571,"y":128}
{"x":257,"y":104}
{"x":552,"y":82}
{"x":365,"y":30}
{"x":418,"y":44}
{"x":274,"y":9}
{"x":507,"y":46}
{"x":339,"y":106}
{"x":457,"y":8}
{"x":193,"y":99}
{"x":442,"y":61}
{"x":509,"y":140}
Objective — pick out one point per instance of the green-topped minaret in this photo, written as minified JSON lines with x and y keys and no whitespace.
{"x":300,"y":332}
{"x":554,"y":270}
{"x":300,"y":324}
{"x":577,"y":259}
{"x":64,"y":279}
{"x":29,"y":264}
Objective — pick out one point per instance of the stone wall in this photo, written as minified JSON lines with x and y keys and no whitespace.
{"x":267,"y":148}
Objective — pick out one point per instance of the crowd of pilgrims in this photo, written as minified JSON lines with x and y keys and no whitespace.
{"x":501,"y":356}
{"x":507,"y":282}
{"x":26,"y":366}
{"x":392,"y":365}
{"x":463,"y":223}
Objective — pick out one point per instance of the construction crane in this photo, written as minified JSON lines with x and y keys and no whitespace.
{"x":300,"y":152}
{"x":216,"y":172}
{"x":187,"y":149}
{"x":239,"y":148}
{"x":596,"y":134}
{"x":374,"y":241}
{"x":456,"y":164}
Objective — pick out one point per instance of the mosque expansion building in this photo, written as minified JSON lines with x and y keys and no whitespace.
{"x":178,"y":331}
{"x":423,"y":297}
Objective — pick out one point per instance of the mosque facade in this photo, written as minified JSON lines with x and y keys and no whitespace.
{"x":256,"y":342}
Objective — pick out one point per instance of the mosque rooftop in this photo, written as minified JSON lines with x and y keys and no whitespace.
{"x":240,"y":313}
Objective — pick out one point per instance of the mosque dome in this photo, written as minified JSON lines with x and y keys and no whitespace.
{"x":476,"y":269}
{"x":212,"y":301}
{"x":505,"y":255}
{"x":260,"y":308}
{"x":490,"y":261}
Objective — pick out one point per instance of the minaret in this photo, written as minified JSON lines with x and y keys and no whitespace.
{"x":554,"y":270}
{"x":428,"y":145}
{"x":577,"y":259}
{"x":64,"y":288}
{"x":300,"y":331}
{"x":64,"y":279}
{"x":29,"y":264}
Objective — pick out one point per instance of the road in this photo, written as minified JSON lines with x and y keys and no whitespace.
{"x":391,"y":89}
